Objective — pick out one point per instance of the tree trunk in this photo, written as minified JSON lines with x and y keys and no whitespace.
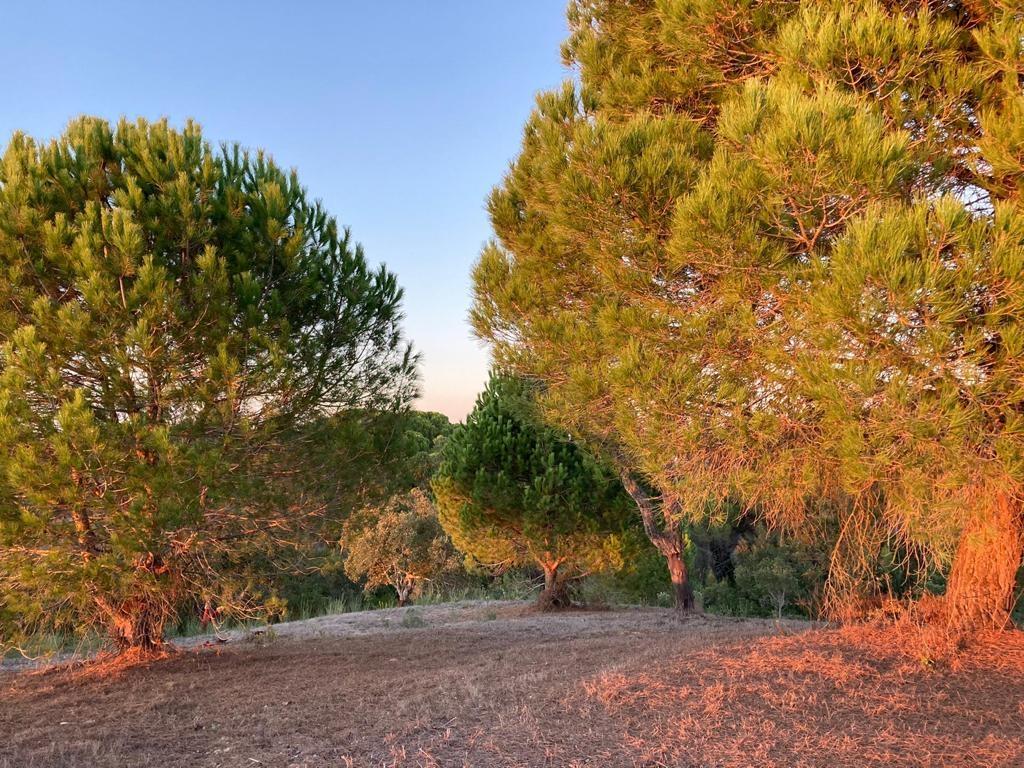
{"x":979,"y":594}
{"x":681,"y":588}
{"x":667,"y":539}
{"x":404,"y":593}
{"x":138,"y":627}
{"x":136,"y":624}
{"x":554,"y":595}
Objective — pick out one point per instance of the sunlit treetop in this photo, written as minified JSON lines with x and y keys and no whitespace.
{"x":773,"y":250}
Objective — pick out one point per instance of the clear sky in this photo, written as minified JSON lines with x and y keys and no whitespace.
{"x":399,"y":115}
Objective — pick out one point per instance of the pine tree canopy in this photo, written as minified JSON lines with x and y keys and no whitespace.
{"x":511,"y":490}
{"x":164,"y":307}
{"x":774,"y":249}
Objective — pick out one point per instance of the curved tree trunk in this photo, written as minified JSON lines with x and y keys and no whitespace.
{"x":668,"y":540}
{"x":404,"y":589}
{"x":979,"y":594}
{"x":136,"y":623}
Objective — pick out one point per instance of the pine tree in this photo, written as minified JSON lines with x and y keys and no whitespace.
{"x":511,"y":491}
{"x":166,"y":309}
{"x":772,"y":250}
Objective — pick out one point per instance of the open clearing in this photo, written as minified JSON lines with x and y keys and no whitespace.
{"x":496,"y":684}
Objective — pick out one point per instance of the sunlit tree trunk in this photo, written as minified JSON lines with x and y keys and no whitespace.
{"x":404,"y":588}
{"x":555,"y":595}
{"x":980,"y":591}
{"x":135,"y":625}
{"x":681,"y":589}
{"x":142,"y":630}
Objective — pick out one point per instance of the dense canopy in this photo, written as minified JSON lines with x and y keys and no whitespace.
{"x":165,"y":307}
{"x":774,"y":250}
{"x":513,"y":491}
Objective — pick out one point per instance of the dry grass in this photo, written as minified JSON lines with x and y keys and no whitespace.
{"x":850,"y":697}
{"x":502,"y":686}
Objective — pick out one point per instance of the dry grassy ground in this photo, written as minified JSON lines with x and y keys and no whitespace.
{"x":498,"y":685}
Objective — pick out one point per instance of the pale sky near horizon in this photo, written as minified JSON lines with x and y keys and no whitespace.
{"x":400,"y":116}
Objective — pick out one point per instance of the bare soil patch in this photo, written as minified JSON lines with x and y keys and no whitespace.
{"x":496,"y":684}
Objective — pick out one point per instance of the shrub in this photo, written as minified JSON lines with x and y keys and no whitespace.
{"x":771,"y":575}
{"x":400,"y":544}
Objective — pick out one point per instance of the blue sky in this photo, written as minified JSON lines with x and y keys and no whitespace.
{"x":399,"y":115}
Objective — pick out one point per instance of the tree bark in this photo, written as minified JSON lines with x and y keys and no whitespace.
{"x":979,"y":594}
{"x":554,"y":594}
{"x":404,"y":590}
{"x":667,"y":539}
{"x":83,"y":525}
{"x":136,"y":626}
{"x":136,"y":623}
{"x":85,"y":532}
{"x":681,"y":588}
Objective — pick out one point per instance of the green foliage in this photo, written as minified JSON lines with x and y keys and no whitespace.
{"x":399,"y":544}
{"x":168,"y":312}
{"x":349,"y":461}
{"x":773,"y":251}
{"x":354,"y":459}
{"x":772,"y":575}
{"x":640,"y":580}
{"x":512,"y":491}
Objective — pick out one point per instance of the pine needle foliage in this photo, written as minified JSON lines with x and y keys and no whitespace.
{"x":165,"y":309}
{"x":772,"y":249}
{"x":512,"y":491}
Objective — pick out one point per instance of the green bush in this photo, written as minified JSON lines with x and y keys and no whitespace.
{"x":772,"y":576}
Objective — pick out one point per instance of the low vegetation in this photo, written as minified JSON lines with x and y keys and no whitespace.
{"x":400,"y":544}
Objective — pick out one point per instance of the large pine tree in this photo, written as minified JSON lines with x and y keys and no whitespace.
{"x":166,"y":308}
{"x":773,"y":249}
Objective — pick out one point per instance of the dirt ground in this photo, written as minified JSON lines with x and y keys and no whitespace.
{"x":495,"y":684}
